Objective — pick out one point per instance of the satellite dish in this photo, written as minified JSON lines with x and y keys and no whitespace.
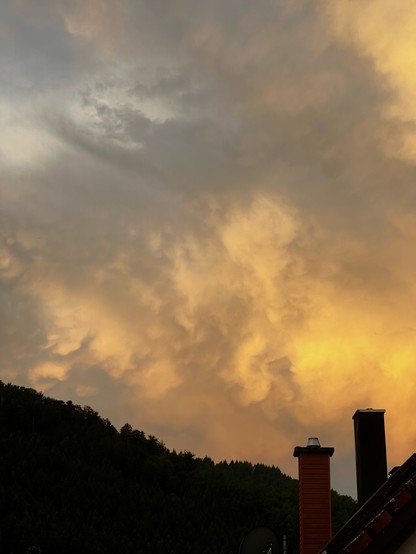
{"x":261,"y":540}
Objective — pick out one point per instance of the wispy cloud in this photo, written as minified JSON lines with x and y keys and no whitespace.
{"x":207,"y":218}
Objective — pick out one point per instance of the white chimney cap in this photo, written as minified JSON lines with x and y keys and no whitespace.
{"x":314,"y":442}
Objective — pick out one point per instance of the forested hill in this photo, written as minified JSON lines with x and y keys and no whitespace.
{"x":70,"y":483}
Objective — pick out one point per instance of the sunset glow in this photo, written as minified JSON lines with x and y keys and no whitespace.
{"x":208,"y":218}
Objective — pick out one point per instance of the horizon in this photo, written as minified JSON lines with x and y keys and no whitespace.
{"x":185,"y":450}
{"x":207,"y":219}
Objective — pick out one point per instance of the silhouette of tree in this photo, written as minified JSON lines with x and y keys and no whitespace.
{"x":70,"y":483}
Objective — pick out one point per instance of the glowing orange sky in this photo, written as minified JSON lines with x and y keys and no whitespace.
{"x":207,"y":218}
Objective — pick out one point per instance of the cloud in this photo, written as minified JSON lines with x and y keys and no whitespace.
{"x":204,"y":229}
{"x":382,"y":32}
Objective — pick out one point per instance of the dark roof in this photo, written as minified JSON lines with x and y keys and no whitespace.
{"x":385,"y":521}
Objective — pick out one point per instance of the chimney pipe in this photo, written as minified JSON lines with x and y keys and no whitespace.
{"x":314,"y":495}
{"x":370,"y":452}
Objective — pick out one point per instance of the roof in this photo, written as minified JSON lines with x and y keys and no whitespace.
{"x":385,"y":521}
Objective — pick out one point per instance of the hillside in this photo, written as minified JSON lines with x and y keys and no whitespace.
{"x":72,"y":484}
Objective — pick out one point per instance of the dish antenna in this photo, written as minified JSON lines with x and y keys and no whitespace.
{"x":261,"y":540}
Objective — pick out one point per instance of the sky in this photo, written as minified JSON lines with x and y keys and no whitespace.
{"x":207,"y":218}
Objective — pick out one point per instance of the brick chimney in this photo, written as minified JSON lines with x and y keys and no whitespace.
{"x":370,"y":452}
{"x":314,"y":496}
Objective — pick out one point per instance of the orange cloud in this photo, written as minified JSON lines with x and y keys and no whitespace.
{"x":207,"y":221}
{"x":383,"y":32}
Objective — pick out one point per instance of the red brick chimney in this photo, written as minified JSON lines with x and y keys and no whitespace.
{"x":314,"y":496}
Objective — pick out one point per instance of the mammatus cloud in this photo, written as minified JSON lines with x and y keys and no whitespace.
{"x":206,"y":228}
{"x":382,"y":32}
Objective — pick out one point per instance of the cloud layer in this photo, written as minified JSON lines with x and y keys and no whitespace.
{"x":207,"y":218}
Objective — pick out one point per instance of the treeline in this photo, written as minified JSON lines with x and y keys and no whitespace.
{"x":70,"y":483}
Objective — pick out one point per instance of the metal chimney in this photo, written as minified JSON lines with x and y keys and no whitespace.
{"x":314,"y":495}
{"x":370,"y":452}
